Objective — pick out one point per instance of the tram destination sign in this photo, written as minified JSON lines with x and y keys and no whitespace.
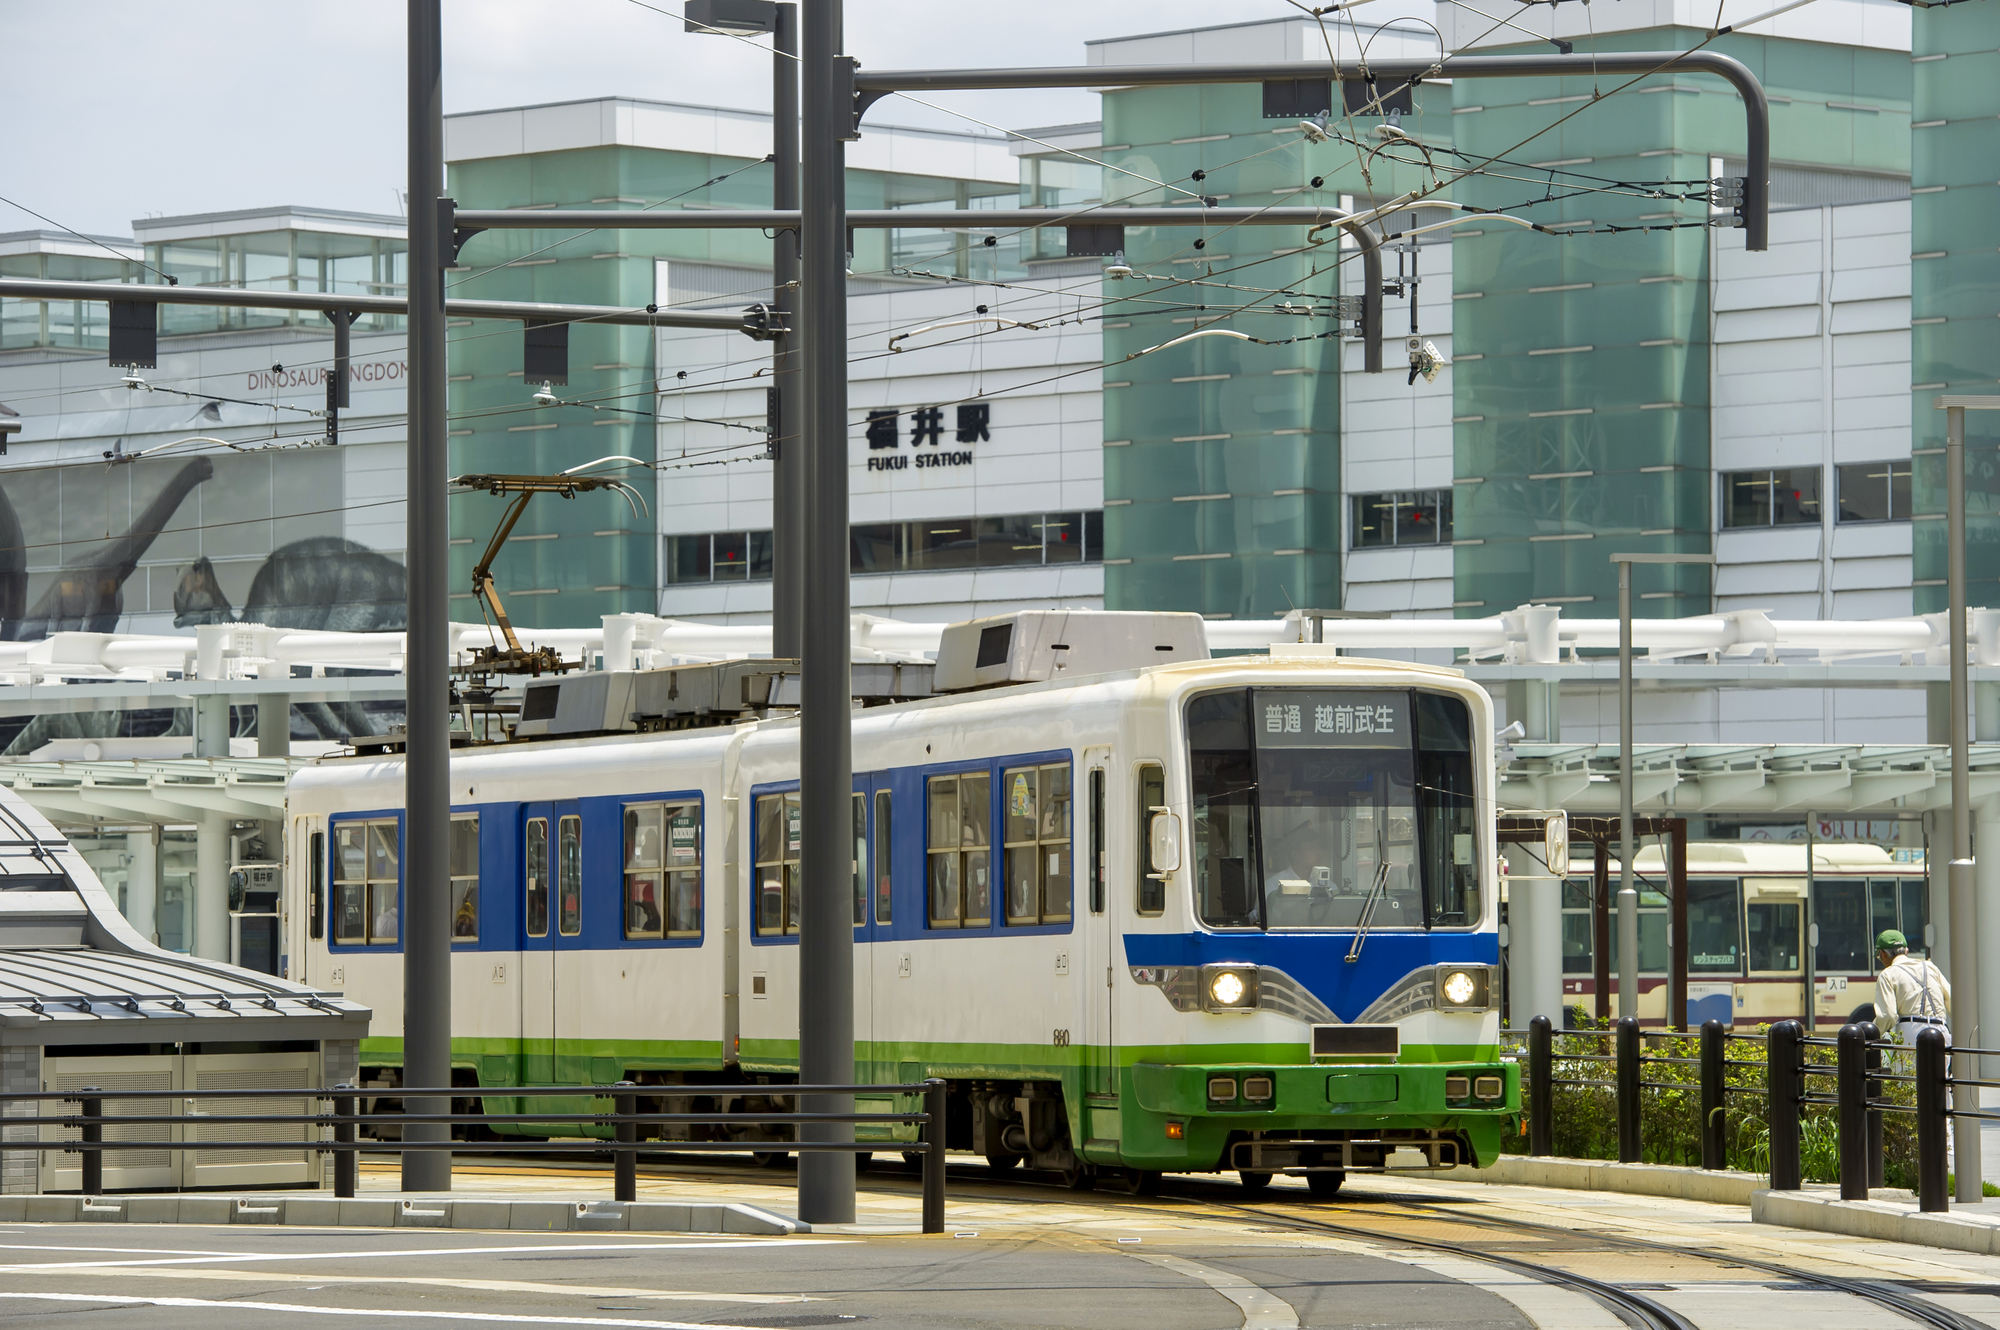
{"x":884,"y":432}
{"x":1331,"y":718}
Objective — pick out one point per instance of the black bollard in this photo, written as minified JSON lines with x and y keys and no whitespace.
{"x":1628,"y":1089}
{"x":346,"y":1161}
{"x":1933,"y":1170}
{"x":1714,"y":1095}
{"x":934,"y":1114}
{"x":1782,"y":1080}
{"x":1541,"y":1090}
{"x":625,"y":1162}
{"x":1851,"y":1047}
{"x":1875,"y":1160}
{"x":93,"y":1140}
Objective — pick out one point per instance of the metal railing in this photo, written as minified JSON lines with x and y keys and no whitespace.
{"x":338,"y":1123}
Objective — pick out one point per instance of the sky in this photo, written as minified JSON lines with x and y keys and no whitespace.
{"x":211,"y":105}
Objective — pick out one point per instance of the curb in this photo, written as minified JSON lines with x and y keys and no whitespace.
{"x":395,"y":1212}
{"x":1885,"y":1221}
{"x":1687,"y":1184}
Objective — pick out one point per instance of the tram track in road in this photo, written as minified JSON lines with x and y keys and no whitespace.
{"x":1377,"y":1221}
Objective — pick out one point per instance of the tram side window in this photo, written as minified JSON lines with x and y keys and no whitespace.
{"x":882,"y":860}
{"x":958,"y":841}
{"x":662,"y":870}
{"x":465,"y":878}
{"x":1449,"y":834}
{"x":1715,"y":927}
{"x":1152,"y":891}
{"x":569,"y":875}
{"x":777,"y":852}
{"x":365,"y":879}
{"x":1772,"y":941}
{"x":1039,"y":878}
{"x":1579,"y":927}
{"x":316,"y":907}
{"x":535,"y":877}
{"x":1840,"y":910}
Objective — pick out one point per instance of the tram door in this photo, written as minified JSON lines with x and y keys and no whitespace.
{"x":1099,"y":935}
{"x":551,"y":928}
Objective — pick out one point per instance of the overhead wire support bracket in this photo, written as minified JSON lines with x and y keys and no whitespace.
{"x":1756,"y":107}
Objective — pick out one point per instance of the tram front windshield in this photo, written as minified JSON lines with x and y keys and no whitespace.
{"x":1319,"y":808}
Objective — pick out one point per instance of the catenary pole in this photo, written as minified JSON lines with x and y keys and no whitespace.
{"x":426,"y":909}
{"x":826,"y":851}
{"x":788,"y":468}
{"x":1961,"y":873}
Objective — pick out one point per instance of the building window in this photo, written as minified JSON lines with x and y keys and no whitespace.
{"x":465,"y":878}
{"x":662,"y":870}
{"x":1040,"y":884}
{"x":1789,"y":497}
{"x":960,"y":833}
{"x":1402,"y":517}
{"x":1874,"y":491}
{"x":365,"y":878}
{"x":777,"y":858}
{"x":1023,"y":540}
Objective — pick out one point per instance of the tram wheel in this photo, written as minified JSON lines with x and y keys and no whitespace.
{"x":1081,"y":1177}
{"x":1143,"y":1181}
{"x":1000,"y":1163}
{"x":772,"y":1158}
{"x":1325,"y":1186}
{"x":913,"y":1159}
{"x":1253,"y":1182}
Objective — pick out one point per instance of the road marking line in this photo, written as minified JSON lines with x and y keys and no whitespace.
{"x":377,"y":1313}
{"x":1261,"y":1308}
{"x":427,"y":1251}
{"x":132,"y":1251}
{"x":323,"y":1280}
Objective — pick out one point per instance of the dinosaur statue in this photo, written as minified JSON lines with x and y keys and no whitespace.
{"x":90,"y":597}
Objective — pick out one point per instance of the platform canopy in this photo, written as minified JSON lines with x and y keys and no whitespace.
{"x":167,"y":792}
{"x":1743,"y":778}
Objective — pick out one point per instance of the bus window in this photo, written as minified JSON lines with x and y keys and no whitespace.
{"x":1654,"y":950}
{"x":1772,"y":945}
{"x":1578,"y":927}
{"x":1897,"y":903}
{"x":1840,"y":915}
{"x":1715,"y":927}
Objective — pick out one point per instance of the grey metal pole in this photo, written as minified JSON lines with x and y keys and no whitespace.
{"x":788,"y":467}
{"x":1628,"y":895}
{"x":426,"y":910}
{"x":1964,"y":902}
{"x":826,"y":852}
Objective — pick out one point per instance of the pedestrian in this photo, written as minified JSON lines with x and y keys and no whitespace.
{"x":1910,"y":992}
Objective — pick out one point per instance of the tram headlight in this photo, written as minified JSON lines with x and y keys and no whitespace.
{"x":1229,"y":987}
{"x":1464,"y":987}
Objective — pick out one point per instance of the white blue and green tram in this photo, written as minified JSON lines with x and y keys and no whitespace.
{"x":1217,"y":915}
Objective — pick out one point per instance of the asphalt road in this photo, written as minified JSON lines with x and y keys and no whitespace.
{"x":182,"y":1277}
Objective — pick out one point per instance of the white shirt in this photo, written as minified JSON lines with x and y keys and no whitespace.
{"x":1910,"y":986}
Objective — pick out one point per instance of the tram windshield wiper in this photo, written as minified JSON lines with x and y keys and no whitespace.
{"x":1368,"y":910}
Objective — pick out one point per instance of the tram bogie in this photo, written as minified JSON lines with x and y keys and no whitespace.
{"x":1090,"y":905}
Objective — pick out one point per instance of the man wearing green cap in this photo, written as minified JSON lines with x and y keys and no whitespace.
{"x":1910,"y":993}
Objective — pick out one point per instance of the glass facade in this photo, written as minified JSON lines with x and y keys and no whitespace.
{"x":1581,"y":365}
{"x":283,"y":260}
{"x":1222,"y":475}
{"x":570,"y":562}
{"x":1954,"y":289}
{"x":60,"y":323}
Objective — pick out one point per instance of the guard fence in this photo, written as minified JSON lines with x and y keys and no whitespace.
{"x":1780,"y":1089}
{"x":338,"y":1123}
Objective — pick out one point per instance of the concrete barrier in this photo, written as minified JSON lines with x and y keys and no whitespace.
{"x":316,"y":1209}
{"x":1889,"y":1215}
{"x":1718,"y":1187}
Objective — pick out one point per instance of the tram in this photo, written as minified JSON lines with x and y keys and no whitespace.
{"x":1234,"y":914}
{"x":1776,"y":930}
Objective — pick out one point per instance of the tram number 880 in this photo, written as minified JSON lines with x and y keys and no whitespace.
{"x":1062,"y":1039}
